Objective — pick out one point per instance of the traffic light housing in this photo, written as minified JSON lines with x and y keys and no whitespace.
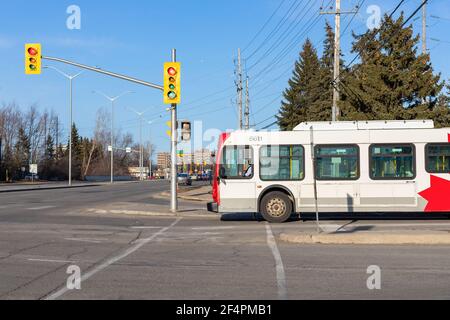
{"x":186,"y":130}
{"x":33,"y":58}
{"x":172,"y":83}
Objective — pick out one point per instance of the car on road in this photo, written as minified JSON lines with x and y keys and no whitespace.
{"x":184,"y":179}
{"x":30,"y":177}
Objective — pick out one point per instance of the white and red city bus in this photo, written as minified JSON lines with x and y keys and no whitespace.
{"x":365,"y":166}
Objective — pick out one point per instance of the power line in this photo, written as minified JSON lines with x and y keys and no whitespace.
{"x":276,"y":29}
{"x":264,"y":26}
{"x":292,"y":42}
{"x":284,"y":34}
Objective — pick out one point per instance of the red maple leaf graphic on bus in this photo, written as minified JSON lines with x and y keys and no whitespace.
{"x":438,"y":195}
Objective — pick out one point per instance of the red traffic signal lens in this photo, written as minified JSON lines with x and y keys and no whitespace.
{"x":171,"y":71}
{"x":32,"y":51}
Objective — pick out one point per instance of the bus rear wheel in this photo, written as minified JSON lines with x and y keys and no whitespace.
{"x":276,"y":207}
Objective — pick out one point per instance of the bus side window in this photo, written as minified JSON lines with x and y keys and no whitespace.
{"x":437,"y":157}
{"x":236,"y":162}
{"x":392,"y":162}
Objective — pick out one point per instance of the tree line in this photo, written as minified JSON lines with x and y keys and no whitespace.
{"x":390,"y":81}
{"x":35,"y":137}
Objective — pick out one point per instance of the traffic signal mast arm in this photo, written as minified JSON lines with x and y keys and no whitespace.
{"x":108,"y":73}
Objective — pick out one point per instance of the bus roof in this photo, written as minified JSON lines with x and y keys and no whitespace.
{"x":365,"y":125}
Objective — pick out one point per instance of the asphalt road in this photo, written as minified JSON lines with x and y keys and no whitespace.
{"x":125,"y":257}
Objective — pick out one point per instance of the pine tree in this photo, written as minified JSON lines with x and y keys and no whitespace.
{"x":441,"y":113}
{"x":304,"y":89}
{"x":77,"y":153}
{"x":392,"y":81}
{"x":322,"y":107}
{"x":49,"y":148}
{"x":22,"y":149}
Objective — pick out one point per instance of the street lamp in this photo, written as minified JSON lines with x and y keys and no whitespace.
{"x":70,"y":77}
{"x":112,"y":100}
{"x":150,"y":150}
{"x":141,"y":148}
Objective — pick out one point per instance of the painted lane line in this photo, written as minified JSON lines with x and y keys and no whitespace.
{"x":281,"y":276}
{"x":213,"y":228}
{"x":112,"y":260}
{"x":41,"y":208}
{"x":86,"y":240}
{"x":50,"y":261}
{"x":144,"y":227}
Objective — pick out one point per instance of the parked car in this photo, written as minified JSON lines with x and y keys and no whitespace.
{"x":30,"y":177}
{"x":184,"y":179}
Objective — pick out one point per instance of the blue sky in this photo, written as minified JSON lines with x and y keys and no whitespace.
{"x":135,"y":37}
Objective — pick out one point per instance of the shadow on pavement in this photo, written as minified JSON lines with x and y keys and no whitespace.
{"x":376,"y":216}
{"x":341,"y":216}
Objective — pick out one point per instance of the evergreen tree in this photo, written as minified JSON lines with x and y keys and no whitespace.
{"x":49,"y":149}
{"x":304,"y":89}
{"x":321,"y":109}
{"x":392,"y":81}
{"x":22,"y":149}
{"x":441,"y":113}
{"x":77,"y":153}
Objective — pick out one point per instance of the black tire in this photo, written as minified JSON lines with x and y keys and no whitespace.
{"x":276,"y":207}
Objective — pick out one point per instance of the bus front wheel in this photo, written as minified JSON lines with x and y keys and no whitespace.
{"x":276,"y":207}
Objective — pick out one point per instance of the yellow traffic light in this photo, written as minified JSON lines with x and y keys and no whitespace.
{"x":172,"y":83}
{"x":33,"y":58}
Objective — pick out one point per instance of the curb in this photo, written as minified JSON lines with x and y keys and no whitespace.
{"x":48,"y":188}
{"x":151,"y":213}
{"x":164,"y":195}
{"x":368,"y":239}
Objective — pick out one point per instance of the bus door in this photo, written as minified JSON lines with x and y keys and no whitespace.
{"x":237,"y":180}
{"x":393,"y":174}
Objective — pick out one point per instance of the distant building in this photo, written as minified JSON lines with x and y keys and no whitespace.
{"x":136,"y":171}
{"x":163,"y":160}
{"x":202,"y":157}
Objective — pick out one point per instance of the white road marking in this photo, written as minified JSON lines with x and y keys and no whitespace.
{"x":51,"y":261}
{"x":113,"y":260}
{"x":213,"y":228}
{"x":86,"y":240}
{"x":281,"y":276}
{"x":146,"y":228}
{"x":41,"y":208}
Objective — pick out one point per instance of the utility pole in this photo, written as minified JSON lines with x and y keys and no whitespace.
{"x":239,"y":89}
{"x":424,"y":27}
{"x":247,"y":106}
{"x":337,"y":56}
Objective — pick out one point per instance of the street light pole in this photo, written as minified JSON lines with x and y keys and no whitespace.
{"x":112,"y":141}
{"x":141,"y":148}
{"x":112,"y":100}
{"x":70,"y":112}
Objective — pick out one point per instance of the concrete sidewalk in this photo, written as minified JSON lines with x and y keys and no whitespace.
{"x":5,"y":188}
{"x":150,"y":210}
{"x":395,"y":236}
{"x":201,"y":194}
